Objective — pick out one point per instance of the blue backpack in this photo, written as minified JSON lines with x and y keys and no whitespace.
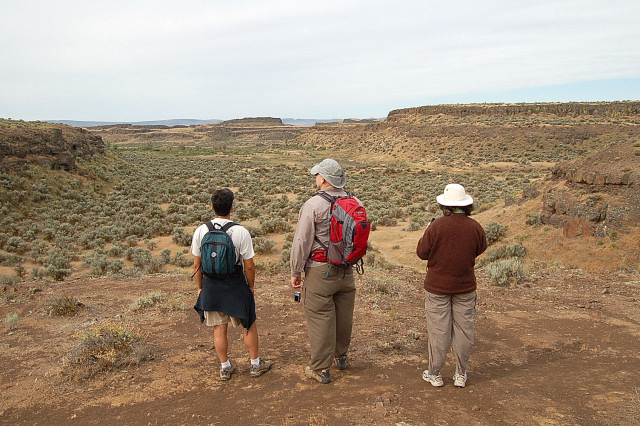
{"x":218,"y":254}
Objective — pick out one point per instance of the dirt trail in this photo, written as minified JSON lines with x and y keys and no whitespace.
{"x":563,"y":349}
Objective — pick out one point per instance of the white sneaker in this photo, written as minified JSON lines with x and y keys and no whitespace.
{"x":435,"y":380}
{"x":460,"y":380}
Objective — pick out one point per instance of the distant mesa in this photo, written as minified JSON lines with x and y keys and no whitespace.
{"x":560,"y":109}
{"x":253,"y":121}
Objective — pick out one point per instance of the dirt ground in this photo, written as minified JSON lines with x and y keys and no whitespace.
{"x":561,"y":349}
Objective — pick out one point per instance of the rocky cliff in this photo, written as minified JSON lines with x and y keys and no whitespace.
{"x":54,"y":146}
{"x":602,"y":192}
{"x":566,"y":109}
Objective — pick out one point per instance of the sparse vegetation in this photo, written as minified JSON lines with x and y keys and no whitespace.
{"x":508,"y":251}
{"x":155,"y":299}
{"x":495,"y":232}
{"x":104,"y":347}
{"x":11,"y":320}
{"x":506,"y":272}
{"x":62,"y":306}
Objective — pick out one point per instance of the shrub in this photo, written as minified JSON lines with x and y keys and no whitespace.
{"x":11,"y":320}
{"x":181,"y":238}
{"x":275,"y":225}
{"x":104,"y":347}
{"x":115,"y":251}
{"x":132,"y":241}
{"x":155,"y":266}
{"x":138,"y":256}
{"x":534,"y":218}
{"x":62,"y":306}
{"x":262,"y":245}
{"x":16,"y":245}
{"x":165,"y":255}
{"x":155,"y":299}
{"x":505,"y":272}
{"x":504,"y":252}
{"x":254,"y":231}
{"x":495,"y":232}
{"x":181,"y":260}
{"x":9,"y":279}
{"x":9,"y":259}
{"x":98,"y":263}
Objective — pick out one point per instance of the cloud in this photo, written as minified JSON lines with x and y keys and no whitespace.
{"x":131,"y":61}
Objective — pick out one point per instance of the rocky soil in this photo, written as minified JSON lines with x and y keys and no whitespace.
{"x":560,"y":349}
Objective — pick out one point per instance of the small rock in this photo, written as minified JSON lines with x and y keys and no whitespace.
{"x":605,"y":291}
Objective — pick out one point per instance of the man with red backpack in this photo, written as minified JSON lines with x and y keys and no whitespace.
{"x":330,"y":239}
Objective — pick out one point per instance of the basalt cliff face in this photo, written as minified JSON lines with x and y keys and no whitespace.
{"x":53,"y":146}
{"x":601,"y":195}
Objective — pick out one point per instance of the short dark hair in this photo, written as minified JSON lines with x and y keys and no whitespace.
{"x":448,"y":210}
{"x":222,"y":200}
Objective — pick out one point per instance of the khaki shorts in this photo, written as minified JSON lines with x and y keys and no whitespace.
{"x":220,"y":318}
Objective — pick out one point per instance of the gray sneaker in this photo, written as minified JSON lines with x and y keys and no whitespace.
{"x":341,"y":362}
{"x":434,"y":379}
{"x":260,"y":369}
{"x":460,"y":380}
{"x":225,"y":373}
{"x":321,"y":376}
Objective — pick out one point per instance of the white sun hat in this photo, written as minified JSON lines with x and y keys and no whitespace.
{"x":454,"y":196}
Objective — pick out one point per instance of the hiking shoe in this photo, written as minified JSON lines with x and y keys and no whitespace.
{"x":460,"y":380}
{"x":435,"y":380}
{"x":341,"y":362}
{"x":225,"y":373}
{"x":260,"y":369}
{"x":322,"y":376}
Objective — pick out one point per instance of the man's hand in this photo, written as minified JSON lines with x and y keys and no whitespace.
{"x":296,"y":282}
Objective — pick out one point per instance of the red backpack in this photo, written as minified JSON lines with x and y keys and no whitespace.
{"x":348,"y":232}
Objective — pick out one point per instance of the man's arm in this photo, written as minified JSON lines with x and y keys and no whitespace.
{"x":302,"y":242}
{"x":250,"y":272}
{"x":197,"y":269}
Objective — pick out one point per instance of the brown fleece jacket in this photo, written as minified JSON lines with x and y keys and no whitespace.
{"x":450,"y":246}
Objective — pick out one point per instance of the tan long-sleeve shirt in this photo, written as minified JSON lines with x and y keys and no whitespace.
{"x":313,"y":221}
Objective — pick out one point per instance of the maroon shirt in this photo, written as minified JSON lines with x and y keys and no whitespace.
{"x":451,"y":244}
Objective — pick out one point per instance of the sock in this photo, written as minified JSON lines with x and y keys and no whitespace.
{"x":255,"y":362}
{"x":226,"y":364}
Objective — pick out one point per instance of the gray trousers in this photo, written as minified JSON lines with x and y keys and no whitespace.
{"x":329,"y":296}
{"x":450,"y":322}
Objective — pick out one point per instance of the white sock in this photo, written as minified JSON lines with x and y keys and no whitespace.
{"x":255,"y":362}
{"x":226,"y":364}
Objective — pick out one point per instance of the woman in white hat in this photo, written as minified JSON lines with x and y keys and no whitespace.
{"x":450,"y":246}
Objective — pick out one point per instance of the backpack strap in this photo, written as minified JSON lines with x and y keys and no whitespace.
{"x":224,"y":228}
{"x":228,"y":225}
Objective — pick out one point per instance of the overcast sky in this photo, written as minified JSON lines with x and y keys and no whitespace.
{"x":113,"y":60}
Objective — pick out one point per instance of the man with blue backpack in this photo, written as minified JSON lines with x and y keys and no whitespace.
{"x":225,"y":275}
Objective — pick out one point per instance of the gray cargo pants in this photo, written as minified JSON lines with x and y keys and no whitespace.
{"x":329,"y":296}
{"x":450,"y":321}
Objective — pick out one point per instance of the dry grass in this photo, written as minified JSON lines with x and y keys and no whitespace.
{"x":155,"y":299}
{"x":104,"y":347}
{"x":62,"y":306}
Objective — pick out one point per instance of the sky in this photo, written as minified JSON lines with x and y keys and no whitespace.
{"x":113,"y":60}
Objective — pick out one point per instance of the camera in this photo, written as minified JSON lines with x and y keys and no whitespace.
{"x":296,"y":296}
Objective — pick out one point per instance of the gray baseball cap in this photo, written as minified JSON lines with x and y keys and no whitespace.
{"x":331,"y":171}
